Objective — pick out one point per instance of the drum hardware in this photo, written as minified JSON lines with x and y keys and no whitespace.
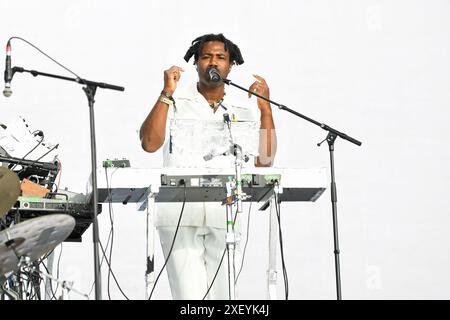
{"x":21,"y":245}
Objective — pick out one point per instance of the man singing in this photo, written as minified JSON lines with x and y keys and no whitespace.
{"x":195,"y":267}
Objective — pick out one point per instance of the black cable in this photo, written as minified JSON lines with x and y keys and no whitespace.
{"x":111,"y":230}
{"x":41,"y":262}
{"x":101,"y":262}
{"x":51,"y":285}
{"x":27,"y":281}
{"x":110,"y":235}
{"x":35,"y":281}
{"x":217,"y":272}
{"x":29,"y":43}
{"x":173,"y":242}
{"x":30,"y":165}
{"x":112,"y":273}
{"x":285,"y":276}
{"x":246,"y":242}
{"x":54,"y":147}
{"x":107,"y":242}
{"x":30,"y":280}
{"x":39,"y":143}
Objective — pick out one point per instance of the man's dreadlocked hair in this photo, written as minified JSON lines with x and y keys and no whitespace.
{"x":197,"y":45}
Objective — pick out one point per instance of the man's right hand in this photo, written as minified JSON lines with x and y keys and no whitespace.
{"x":171,"y":77}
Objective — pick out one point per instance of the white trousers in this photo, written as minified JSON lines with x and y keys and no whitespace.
{"x":194,"y":261}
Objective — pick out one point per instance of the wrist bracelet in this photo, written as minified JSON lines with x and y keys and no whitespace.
{"x":165,"y":100}
{"x":166,"y":94}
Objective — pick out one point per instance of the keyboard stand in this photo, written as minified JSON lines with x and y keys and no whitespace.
{"x":312,"y":186}
{"x":150,"y":242}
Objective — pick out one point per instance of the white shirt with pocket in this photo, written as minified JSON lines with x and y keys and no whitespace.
{"x":194,"y":132}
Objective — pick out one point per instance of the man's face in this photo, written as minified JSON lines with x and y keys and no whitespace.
{"x":213,"y":54}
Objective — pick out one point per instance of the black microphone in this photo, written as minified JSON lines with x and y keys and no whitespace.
{"x":8,"y":72}
{"x":214,"y":74}
{"x":226,"y":118}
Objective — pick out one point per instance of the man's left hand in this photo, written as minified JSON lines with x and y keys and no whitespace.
{"x":260,"y":87}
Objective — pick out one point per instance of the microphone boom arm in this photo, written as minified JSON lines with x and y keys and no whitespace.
{"x":283,"y":107}
{"x":78,"y":80}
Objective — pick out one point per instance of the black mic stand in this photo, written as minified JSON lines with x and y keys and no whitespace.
{"x":331,"y":137}
{"x":90,"y":90}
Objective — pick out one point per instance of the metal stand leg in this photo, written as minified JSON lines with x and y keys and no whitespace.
{"x":65,"y":286}
{"x":273,"y":241}
{"x":150,"y":248}
{"x":230,"y":244}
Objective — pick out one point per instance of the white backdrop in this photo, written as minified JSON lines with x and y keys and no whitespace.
{"x":377,"y":70}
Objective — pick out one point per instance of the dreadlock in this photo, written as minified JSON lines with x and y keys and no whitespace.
{"x":197,"y":45}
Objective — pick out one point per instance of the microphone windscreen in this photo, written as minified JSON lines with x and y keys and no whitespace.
{"x":214,"y":75}
{"x":7,"y":92}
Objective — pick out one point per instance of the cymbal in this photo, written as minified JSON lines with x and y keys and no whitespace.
{"x":9,"y":190}
{"x":33,"y":238}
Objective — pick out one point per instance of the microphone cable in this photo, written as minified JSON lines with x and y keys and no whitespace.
{"x":246,"y":242}
{"x":173,"y":241}
{"x":23,"y":158}
{"x":217,"y":272}
{"x":30,"y":165}
{"x":54,"y":147}
{"x":111,"y":233}
{"x":112,"y":273}
{"x":51,"y":286}
{"x":110,"y":238}
{"x":42,"y":52}
{"x":41,"y":262}
{"x":285,"y":276}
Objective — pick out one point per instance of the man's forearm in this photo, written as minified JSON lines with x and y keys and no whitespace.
{"x":153,"y":130}
{"x":267,"y":139}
